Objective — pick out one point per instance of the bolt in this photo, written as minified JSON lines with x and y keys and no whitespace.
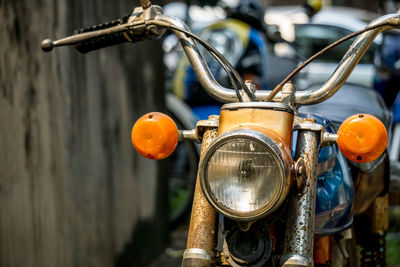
{"x":300,"y":171}
{"x":309,"y":120}
{"x":213,"y":117}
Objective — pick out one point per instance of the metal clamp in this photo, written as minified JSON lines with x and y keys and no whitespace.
{"x":293,"y":260}
{"x":327,"y":138}
{"x":310,"y":126}
{"x":197,"y":257}
{"x":196,"y":135}
{"x":197,"y":253}
{"x":288,"y":92}
{"x":202,"y":126}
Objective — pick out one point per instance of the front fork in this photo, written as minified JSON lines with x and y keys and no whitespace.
{"x":299,"y":232}
{"x":203,"y":221}
{"x":300,"y":226}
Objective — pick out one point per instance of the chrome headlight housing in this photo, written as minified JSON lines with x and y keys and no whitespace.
{"x":245,"y":174}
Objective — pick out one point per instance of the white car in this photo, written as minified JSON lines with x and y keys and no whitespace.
{"x":311,"y":35}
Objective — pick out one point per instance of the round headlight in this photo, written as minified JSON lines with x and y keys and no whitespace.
{"x":245,"y":174}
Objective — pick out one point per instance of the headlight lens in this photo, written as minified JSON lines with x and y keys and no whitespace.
{"x":243,"y":174}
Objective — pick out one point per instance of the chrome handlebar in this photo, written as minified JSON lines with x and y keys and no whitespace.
{"x":306,"y":97}
{"x":347,"y":64}
{"x":148,"y":21}
{"x":203,"y":73}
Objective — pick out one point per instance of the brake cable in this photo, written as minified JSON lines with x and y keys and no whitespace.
{"x":305,"y":63}
{"x":220,"y":58}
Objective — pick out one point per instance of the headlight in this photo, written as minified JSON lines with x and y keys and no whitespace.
{"x":245,"y":174}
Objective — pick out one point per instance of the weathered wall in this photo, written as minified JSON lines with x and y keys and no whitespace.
{"x":72,"y":190}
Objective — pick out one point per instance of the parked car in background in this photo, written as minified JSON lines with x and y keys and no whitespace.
{"x":309,"y":35}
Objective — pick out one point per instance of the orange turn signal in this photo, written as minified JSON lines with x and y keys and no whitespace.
{"x":362,"y":138}
{"x":155,"y":135}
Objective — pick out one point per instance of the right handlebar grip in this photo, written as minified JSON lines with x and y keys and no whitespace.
{"x":101,"y":41}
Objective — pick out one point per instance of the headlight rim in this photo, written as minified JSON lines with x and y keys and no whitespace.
{"x":274,"y":150}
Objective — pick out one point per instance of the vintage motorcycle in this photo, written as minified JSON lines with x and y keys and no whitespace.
{"x":243,"y":39}
{"x":256,"y":202}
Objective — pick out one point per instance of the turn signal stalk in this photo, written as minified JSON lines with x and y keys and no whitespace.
{"x":362,"y":138}
{"x":155,"y":135}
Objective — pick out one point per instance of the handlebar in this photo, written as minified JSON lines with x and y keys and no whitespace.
{"x":203,"y":73}
{"x":147,"y":22}
{"x":105,"y":40}
{"x":131,"y":28}
{"x":348,"y":63}
{"x":307,"y":97}
{"x":92,"y":38}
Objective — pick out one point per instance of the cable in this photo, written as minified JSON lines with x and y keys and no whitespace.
{"x":220,"y":58}
{"x":305,"y":63}
{"x":231,"y":79}
{"x":214,"y":52}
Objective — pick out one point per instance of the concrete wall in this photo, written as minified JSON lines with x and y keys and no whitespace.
{"x":73,"y":192}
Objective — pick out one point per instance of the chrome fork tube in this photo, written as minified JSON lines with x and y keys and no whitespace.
{"x":299,"y":232}
{"x":202,"y":230}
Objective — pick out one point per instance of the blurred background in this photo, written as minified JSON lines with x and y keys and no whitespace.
{"x":73,"y":191}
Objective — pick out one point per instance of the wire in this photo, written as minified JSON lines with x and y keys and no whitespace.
{"x":227,"y":70}
{"x":305,"y":63}
{"x":220,"y":58}
{"x":231,"y":78}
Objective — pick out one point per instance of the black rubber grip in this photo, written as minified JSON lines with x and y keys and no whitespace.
{"x":103,"y":41}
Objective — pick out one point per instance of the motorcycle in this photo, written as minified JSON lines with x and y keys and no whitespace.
{"x":256,"y":203}
{"x":242,"y":38}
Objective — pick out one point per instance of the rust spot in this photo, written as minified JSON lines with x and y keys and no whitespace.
{"x":202,"y":232}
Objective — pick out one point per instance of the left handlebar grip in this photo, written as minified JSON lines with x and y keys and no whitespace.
{"x":100,"y":42}
{"x":98,"y":36}
{"x":104,"y":40}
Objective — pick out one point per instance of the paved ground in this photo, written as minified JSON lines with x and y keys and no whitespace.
{"x":172,"y":255}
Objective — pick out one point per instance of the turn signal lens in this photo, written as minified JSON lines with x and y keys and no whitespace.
{"x":362,"y":138}
{"x":155,"y":135}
